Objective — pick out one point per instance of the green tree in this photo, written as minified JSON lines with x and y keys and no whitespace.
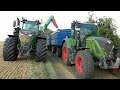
{"x":106,"y":26}
{"x":91,"y":18}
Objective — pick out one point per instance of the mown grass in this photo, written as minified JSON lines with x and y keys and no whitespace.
{"x":51,"y":70}
{"x":38,"y":70}
{"x":43,"y":70}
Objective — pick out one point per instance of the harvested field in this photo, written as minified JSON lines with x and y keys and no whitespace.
{"x":53,"y":68}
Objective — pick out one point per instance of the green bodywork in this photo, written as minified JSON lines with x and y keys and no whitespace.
{"x":70,"y":42}
{"x":94,"y":47}
{"x":32,"y":25}
{"x":99,"y":46}
{"x":89,"y":40}
{"x":47,"y":23}
{"x":86,"y":30}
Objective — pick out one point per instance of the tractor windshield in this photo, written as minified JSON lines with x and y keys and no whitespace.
{"x":88,"y":30}
{"x":30,"y":25}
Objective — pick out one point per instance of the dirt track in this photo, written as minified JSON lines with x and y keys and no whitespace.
{"x":54,"y":68}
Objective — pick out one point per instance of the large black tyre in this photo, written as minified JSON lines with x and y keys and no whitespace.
{"x":84,"y":64}
{"x":58,"y":52}
{"x":10,"y":51}
{"x":65,"y":54}
{"x":41,"y":50}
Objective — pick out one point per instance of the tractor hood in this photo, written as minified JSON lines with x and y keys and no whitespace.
{"x":106,"y":44}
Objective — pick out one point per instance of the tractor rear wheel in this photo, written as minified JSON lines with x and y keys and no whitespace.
{"x":65,"y":54}
{"x":10,"y":51}
{"x":84,"y":64}
{"x":41,"y":50}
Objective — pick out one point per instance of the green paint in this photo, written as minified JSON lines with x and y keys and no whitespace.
{"x":91,"y":43}
{"x":70,"y":42}
{"x":47,"y":23}
{"x":32,"y":25}
{"x":95,"y":47}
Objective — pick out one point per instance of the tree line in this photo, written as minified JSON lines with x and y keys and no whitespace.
{"x":106,"y":26}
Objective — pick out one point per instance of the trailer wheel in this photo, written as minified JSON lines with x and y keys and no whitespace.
{"x":53,"y":49}
{"x":50,"y":49}
{"x":84,"y":64}
{"x":65,"y":55}
{"x":58,"y":51}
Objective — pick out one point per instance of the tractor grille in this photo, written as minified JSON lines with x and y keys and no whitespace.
{"x":25,"y":37}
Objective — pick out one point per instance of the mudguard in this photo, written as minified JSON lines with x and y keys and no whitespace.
{"x":12,"y":35}
{"x":70,"y":42}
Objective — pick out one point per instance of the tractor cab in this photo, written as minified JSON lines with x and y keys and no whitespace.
{"x":29,"y":31}
{"x":83,"y":30}
{"x":87,"y":30}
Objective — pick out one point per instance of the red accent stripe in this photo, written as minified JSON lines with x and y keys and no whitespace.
{"x":54,"y":22}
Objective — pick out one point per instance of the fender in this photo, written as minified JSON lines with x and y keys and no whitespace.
{"x":12,"y":35}
{"x":70,"y":42}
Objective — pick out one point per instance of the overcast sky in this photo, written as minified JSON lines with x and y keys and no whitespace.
{"x":63,"y":18}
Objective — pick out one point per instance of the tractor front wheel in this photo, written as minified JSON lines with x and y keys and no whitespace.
{"x":41,"y":50}
{"x":10,"y":51}
{"x":84,"y":64}
{"x":65,"y":54}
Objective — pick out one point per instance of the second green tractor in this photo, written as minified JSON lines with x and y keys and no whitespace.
{"x":86,"y":49}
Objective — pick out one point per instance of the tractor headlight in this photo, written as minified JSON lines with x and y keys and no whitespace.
{"x":21,"y":34}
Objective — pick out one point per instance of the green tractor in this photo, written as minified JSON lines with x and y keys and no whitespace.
{"x":85,"y":49}
{"x":30,"y":39}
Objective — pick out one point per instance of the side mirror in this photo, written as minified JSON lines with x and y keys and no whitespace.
{"x":18,"y":22}
{"x":14,"y":23}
